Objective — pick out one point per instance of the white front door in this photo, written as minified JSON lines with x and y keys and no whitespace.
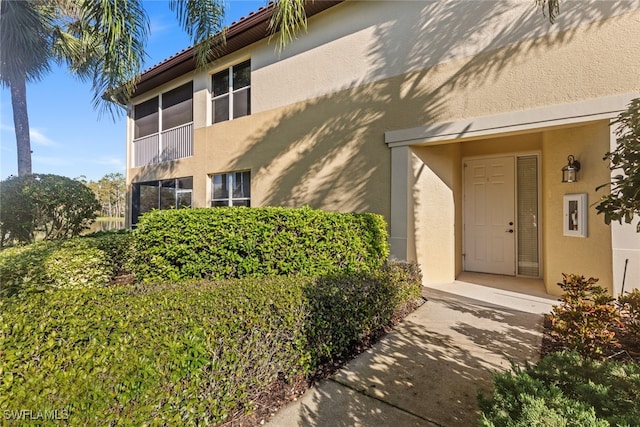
{"x":489,"y":215}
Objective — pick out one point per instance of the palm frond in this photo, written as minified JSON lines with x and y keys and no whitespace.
{"x":289,"y":19}
{"x":550,"y":8}
{"x":24,"y":40}
{"x":78,"y":47}
{"x":121,"y":28}
{"x":201,"y":20}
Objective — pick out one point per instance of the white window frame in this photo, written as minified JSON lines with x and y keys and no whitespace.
{"x":230,"y":92}
{"x":230,"y":183}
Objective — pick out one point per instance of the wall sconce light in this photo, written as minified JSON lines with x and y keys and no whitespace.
{"x":570,"y":171}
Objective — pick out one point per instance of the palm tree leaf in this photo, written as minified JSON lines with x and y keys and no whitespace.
{"x":122,"y":28}
{"x":201,"y":20}
{"x":289,"y":19}
{"x":550,"y":8}
{"x":24,"y":40}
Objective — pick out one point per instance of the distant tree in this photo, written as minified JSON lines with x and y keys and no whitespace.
{"x":623,"y":202}
{"x":46,"y":206}
{"x":110,"y":190}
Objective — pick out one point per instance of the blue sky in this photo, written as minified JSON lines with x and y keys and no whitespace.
{"x":68,"y":137}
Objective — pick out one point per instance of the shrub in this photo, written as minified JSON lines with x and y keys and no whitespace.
{"x":630,"y":307}
{"x":117,"y":246}
{"x":586,"y":318}
{"x":623,"y":199}
{"x":365,"y":300}
{"x":80,"y":262}
{"x":406,"y":278}
{"x":75,"y":264}
{"x":188,"y":354}
{"x":565,"y":389}
{"x":52,"y":206}
{"x":238,"y":242}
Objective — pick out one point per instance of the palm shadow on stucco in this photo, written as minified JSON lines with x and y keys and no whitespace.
{"x":424,"y":373}
{"x":346,"y":158}
{"x":332,"y":164}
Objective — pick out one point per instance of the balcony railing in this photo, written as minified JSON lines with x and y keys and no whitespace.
{"x":171,"y":144}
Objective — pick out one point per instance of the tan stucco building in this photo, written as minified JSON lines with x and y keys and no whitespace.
{"x":453,"y":119}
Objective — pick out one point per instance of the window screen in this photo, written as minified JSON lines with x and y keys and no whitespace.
{"x":177,"y":106}
{"x":146,"y":118}
{"x":528,"y":218}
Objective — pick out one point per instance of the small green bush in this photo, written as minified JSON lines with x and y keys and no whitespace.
{"x":342,"y":310}
{"x":187,"y":354}
{"x":117,"y":246}
{"x":44,"y":206}
{"x":79,"y":262}
{"x":586,"y":318}
{"x":630,"y":307}
{"x":565,"y":389}
{"x":189,"y":244}
{"x":75,"y":264}
{"x":406,"y":279}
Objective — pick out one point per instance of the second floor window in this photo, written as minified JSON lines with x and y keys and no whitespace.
{"x":146,"y":118}
{"x":177,"y":109}
{"x":163,"y":127}
{"x":232,"y":93}
{"x":177,"y":106}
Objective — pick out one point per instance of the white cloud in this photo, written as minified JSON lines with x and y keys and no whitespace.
{"x":39,"y":138}
{"x":157,"y":26}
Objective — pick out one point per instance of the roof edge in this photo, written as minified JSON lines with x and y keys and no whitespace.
{"x":240,"y":34}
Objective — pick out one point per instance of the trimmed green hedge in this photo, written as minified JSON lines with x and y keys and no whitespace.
{"x":188,"y":354}
{"x":217,"y":243}
{"x":565,"y":389}
{"x":85,"y":261}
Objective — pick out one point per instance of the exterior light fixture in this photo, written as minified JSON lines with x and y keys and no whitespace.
{"x":570,"y":171}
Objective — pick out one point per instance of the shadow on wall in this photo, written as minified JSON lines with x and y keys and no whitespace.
{"x":430,"y":368}
{"x":329,"y":152}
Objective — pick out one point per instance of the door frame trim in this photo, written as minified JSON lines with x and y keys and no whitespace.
{"x":515,"y":155}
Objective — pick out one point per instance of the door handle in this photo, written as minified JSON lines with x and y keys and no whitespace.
{"x":510,"y":222}
{"x":509,"y":231}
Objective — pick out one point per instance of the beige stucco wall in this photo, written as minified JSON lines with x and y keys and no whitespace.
{"x":436,"y":210}
{"x":321,"y":108}
{"x":590,"y":256}
{"x":436,"y":201}
{"x":362,"y":42}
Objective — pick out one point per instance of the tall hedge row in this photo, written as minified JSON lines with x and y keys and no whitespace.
{"x":239,"y":242}
{"x":188,"y":354}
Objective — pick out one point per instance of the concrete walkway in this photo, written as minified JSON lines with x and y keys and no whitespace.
{"x":428,"y":371}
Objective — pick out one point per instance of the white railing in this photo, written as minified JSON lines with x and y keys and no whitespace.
{"x":177,"y":142}
{"x":171,"y":144}
{"x":145,"y":150}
